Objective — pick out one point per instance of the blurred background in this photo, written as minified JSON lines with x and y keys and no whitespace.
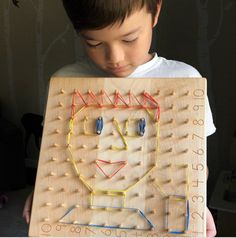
{"x":36,"y":39}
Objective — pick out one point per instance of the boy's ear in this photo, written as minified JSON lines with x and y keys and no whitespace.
{"x":158,"y":10}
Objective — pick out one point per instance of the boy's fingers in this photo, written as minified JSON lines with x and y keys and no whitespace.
{"x":26,"y":215}
{"x":27,"y":208}
{"x":211,"y":228}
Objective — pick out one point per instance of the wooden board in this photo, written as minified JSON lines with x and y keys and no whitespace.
{"x":122,"y":157}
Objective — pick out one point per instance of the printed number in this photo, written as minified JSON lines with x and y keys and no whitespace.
{"x":198,"y":198}
{"x":199,"y":151}
{"x":197,"y":107}
{"x":197,"y":183}
{"x":75,"y":229}
{"x":199,"y":93}
{"x":59,"y":227}
{"x":198,"y":167}
{"x":196,"y":215}
{"x":194,"y":135}
{"x":199,"y":122}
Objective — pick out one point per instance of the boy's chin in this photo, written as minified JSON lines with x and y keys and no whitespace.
{"x":121,"y":74}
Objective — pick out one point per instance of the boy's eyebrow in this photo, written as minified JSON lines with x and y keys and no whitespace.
{"x":127,"y":34}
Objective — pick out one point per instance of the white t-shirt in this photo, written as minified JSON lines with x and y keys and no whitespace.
{"x":157,"y":67}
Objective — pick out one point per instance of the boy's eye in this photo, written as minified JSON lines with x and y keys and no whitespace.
{"x":130,"y":41}
{"x":93,"y":44}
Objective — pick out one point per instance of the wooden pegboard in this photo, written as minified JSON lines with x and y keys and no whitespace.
{"x":120,"y":183}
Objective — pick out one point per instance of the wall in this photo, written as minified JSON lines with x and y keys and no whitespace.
{"x":36,"y":40}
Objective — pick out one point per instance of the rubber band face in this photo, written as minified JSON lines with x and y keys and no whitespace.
{"x":108,"y":134}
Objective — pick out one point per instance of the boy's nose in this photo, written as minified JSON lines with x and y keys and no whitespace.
{"x":115,"y":55}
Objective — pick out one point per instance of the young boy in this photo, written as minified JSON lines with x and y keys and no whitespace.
{"x":117,"y":35}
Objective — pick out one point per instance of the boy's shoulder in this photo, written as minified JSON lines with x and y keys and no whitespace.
{"x":178,"y":68}
{"x":81,"y":68}
{"x":163,"y":67}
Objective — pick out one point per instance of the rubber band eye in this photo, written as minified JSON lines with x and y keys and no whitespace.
{"x":99,"y":125}
{"x":141,"y":126}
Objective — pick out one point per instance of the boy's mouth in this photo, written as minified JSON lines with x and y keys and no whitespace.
{"x":118,"y":69}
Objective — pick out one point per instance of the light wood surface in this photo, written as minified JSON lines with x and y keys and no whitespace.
{"x":156,"y":177}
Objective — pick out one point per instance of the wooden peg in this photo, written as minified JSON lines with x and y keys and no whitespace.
{"x":183,"y":166}
{"x":46,"y":219}
{"x":57,"y":131}
{"x":53,"y":159}
{"x":150,"y":196}
{"x":48,"y":204}
{"x":50,"y":188}
{"x":56,"y":145}
{"x":167,"y":181}
{"x":152,"y":180}
{"x":139,"y":163}
{"x":152,"y":212}
{"x":62,"y":190}
{"x":60,"y":104}
{"x":62,"y":205}
{"x":52,"y":174}
{"x":75,"y":222}
{"x":171,"y":121}
{"x":67,"y":160}
{"x":66,"y":174}
{"x":186,"y":94}
{"x":77,"y":206}
{"x":59,"y":118}
{"x":184,"y":136}
{"x":171,"y":93}
{"x":186,"y":107}
{"x":168,"y":166}
{"x":186,"y":121}
{"x":170,"y":107}
{"x":184,"y":182}
{"x":69,"y":146}
{"x":62,"y":91}
{"x":185,"y":151}
{"x":84,"y":146}
{"x":153,"y":164}
{"x":170,"y":135}
{"x":169,"y":150}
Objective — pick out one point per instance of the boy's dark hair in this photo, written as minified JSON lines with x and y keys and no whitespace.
{"x":97,"y":14}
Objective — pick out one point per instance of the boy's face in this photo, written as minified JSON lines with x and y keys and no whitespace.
{"x":120,"y":49}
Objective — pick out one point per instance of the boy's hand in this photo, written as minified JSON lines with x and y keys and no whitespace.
{"x":27,"y":208}
{"x":211,"y":228}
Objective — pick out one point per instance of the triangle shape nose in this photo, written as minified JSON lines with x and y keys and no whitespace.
{"x":110,"y":169}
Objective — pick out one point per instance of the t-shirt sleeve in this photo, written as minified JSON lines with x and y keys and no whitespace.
{"x":209,"y":125}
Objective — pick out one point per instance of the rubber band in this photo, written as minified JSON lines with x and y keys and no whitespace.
{"x":139,"y":212}
{"x":116,"y":123}
{"x":121,"y":163}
